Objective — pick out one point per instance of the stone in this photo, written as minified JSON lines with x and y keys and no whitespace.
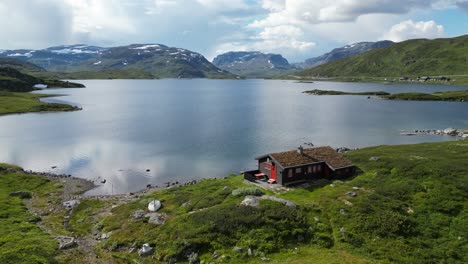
{"x":145,"y":250}
{"x":250,"y":200}
{"x":226,"y":188}
{"x":249,"y":252}
{"x":138,"y":214}
{"x":265,"y":259}
{"x":193,"y":258}
{"x":106,"y":235}
{"x":66,"y":242}
{"x":356,"y":188}
{"x":343,"y":211}
{"x":156,"y":218}
{"x":22,"y":195}
{"x":276,"y":199}
{"x":71,"y":204}
{"x":351,"y":194}
{"x":374,"y":158}
{"x":215,"y":255}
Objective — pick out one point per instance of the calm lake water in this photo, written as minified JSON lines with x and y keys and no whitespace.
{"x":190,"y":129}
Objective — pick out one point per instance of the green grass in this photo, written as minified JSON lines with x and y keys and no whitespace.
{"x":410,"y":208}
{"x":330,"y":92}
{"x":12,"y":103}
{"x":411,"y":58}
{"x":437,"y":96}
{"x":21,"y":241}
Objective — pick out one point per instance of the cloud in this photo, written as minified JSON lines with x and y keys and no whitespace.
{"x":463,"y":5}
{"x":410,"y":30}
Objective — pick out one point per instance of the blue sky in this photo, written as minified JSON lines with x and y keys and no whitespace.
{"x":297,"y":29}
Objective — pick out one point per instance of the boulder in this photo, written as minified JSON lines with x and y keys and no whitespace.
{"x":250,"y":200}
{"x":106,"y":235}
{"x":66,"y":242}
{"x":156,"y":218}
{"x":276,"y":199}
{"x":154,"y":205}
{"x":71,"y":204}
{"x":138,"y":214}
{"x":145,"y":250}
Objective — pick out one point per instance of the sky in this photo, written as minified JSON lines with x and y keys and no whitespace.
{"x":297,"y":29}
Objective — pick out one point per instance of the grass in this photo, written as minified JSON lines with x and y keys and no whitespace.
{"x":329,"y":92}
{"x":410,"y":208}
{"x":13,"y":103}
{"x":411,"y":58}
{"x":21,"y":240}
{"x":437,"y":96}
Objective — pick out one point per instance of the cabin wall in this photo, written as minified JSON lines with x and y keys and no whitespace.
{"x":263,"y":167}
{"x":303,"y":173}
{"x":344,"y":173}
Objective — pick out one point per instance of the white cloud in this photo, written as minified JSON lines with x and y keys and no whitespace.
{"x":410,"y":30}
{"x":224,"y":5}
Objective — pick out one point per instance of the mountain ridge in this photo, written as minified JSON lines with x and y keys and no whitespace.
{"x":344,"y":52}
{"x":416,"y":57}
{"x":157,"y":60}
{"x":253,"y":63}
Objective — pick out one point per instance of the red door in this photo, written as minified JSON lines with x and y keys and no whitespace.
{"x":273,"y":172}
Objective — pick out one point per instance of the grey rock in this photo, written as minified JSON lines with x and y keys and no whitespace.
{"x":138,"y":214}
{"x":193,"y":258}
{"x":249,"y":252}
{"x":374,"y":158}
{"x":156,"y":218}
{"x":265,"y":259}
{"x":66,"y":242}
{"x":250,"y":200}
{"x":352,"y":194}
{"x":106,"y":235}
{"x":343,"y":211}
{"x":71,"y":204}
{"x":276,"y":199}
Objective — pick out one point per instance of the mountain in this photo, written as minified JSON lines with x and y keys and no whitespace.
{"x":252,"y":64}
{"x":417,"y":57}
{"x":152,"y":60}
{"x":344,"y":52}
{"x":20,"y":65}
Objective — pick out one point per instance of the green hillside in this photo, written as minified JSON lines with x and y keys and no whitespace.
{"x":20,"y":65}
{"x":409,"y":206}
{"x":417,"y":57}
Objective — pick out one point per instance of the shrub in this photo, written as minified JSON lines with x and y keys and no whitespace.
{"x":248,"y":191}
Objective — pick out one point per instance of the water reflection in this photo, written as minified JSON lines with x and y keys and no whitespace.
{"x":189,"y":129}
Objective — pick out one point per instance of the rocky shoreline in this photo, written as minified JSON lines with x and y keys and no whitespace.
{"x":441,"y":132}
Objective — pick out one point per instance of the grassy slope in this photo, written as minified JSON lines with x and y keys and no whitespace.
{"x":419,"y":57}
{"x":21,"y":241}
{"x":11,"y":103}
{"x":410,"y":208}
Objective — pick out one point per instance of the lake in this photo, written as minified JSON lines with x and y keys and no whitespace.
{"x":190,"y":129}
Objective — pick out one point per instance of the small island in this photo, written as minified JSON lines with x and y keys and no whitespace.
{"x":461,"y":96}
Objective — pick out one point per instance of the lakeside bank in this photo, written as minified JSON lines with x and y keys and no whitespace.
{"x":400,"y":188}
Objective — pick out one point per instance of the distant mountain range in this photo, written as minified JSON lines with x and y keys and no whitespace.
{"x":134,"y":61}
{"x":253,"y":64}
{"x":416,"y":57}
{"x":344,"y":52}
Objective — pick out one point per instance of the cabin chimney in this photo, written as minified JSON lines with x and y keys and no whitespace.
{"x":300,"y":150}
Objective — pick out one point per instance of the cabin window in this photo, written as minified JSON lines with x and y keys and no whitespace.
{"x":309,"y":169}
{"x":298,"y":170}
{"x":314,"y":169}
{"x":290,"y":173}
{"x":319,"y":168}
